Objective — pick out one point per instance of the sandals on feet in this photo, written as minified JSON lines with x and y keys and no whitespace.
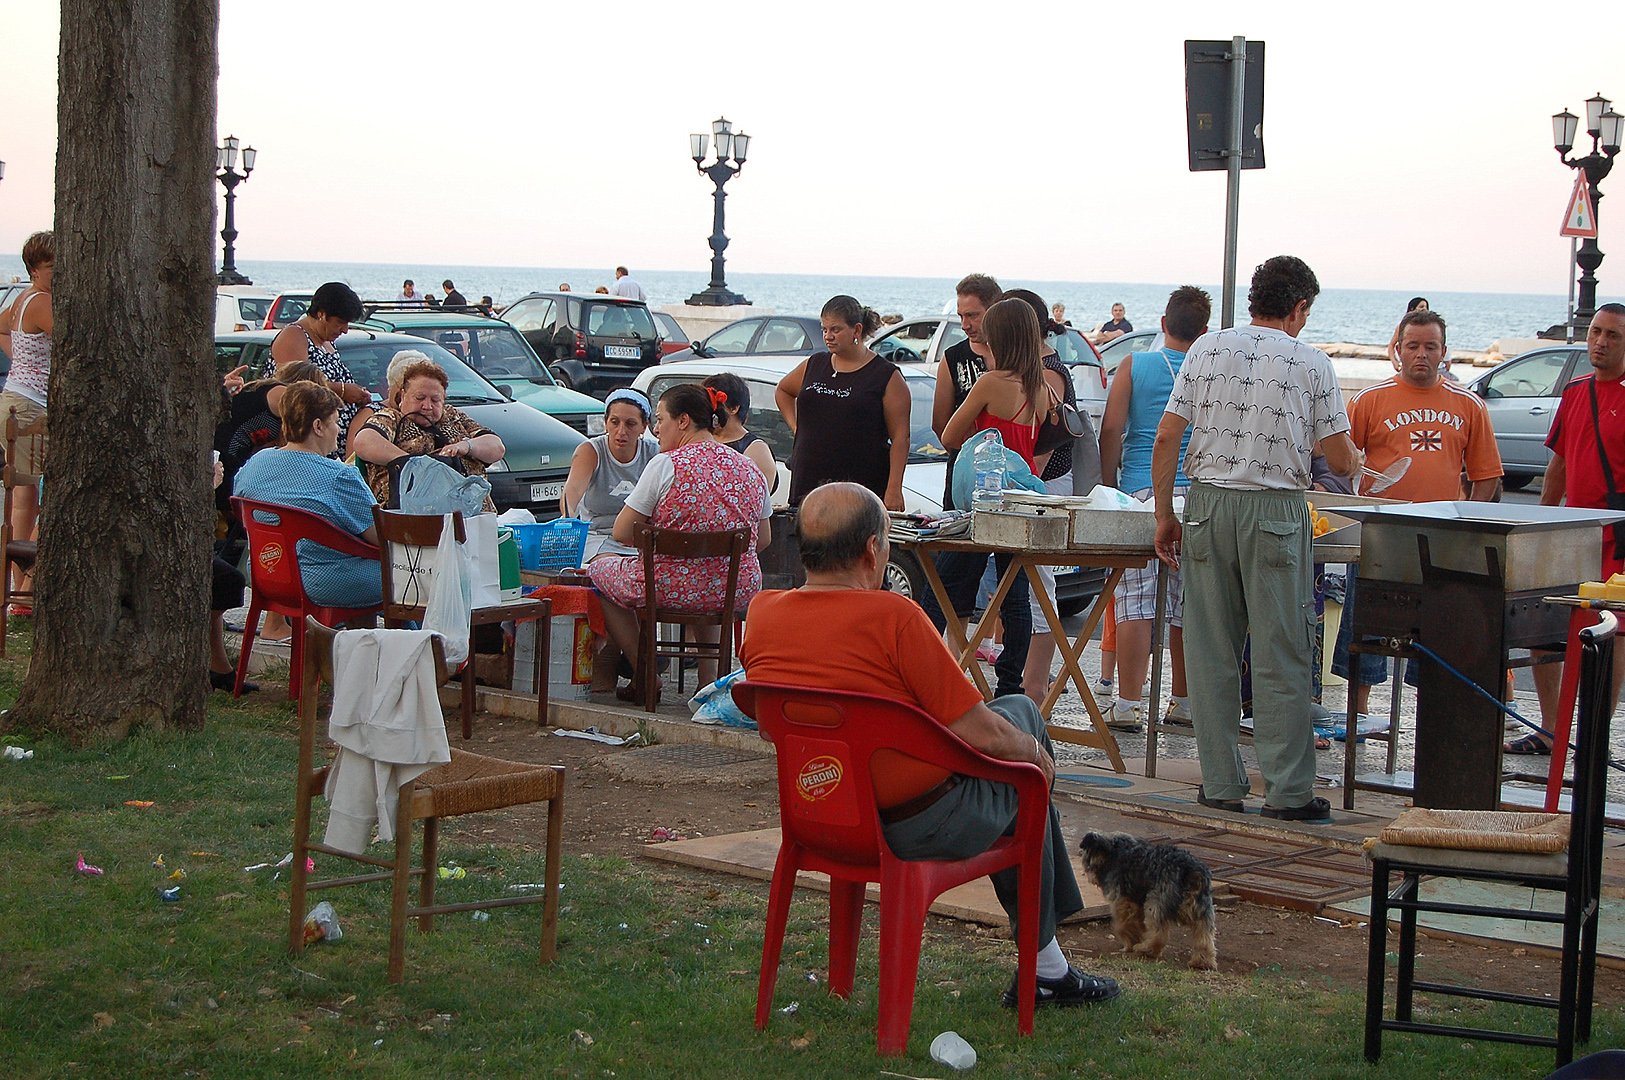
{"x":1528,"y":746}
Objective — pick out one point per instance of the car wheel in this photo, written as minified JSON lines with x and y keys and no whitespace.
{"x":904,"y":575}
{"x":1516,"y":481}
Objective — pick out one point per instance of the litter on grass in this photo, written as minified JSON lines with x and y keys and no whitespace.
{"x":322,"y":924}
{"x":592,"y":734}
{"x":170,"y":895}
{"x":452,"y":873}
{"x":139,"y":803}
{"x":83,"y":867}
{"x":17,"y":753}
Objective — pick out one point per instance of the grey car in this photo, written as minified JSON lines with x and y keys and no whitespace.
{"x":1522,"y":396}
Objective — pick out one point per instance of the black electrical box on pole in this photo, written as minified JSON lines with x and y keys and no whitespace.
{"x":1224,"y":124}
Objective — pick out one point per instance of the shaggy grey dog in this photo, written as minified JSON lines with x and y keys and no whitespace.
{"x":1152,"y":887}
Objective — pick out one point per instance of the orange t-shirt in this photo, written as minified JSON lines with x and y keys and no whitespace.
{"x":865,"y":642}
{"x":1442,"y":429}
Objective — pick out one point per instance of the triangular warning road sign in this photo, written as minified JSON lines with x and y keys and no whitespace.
{"x":1581,"y":217}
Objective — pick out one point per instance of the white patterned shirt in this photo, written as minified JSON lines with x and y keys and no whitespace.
{"x":1258,"y":401}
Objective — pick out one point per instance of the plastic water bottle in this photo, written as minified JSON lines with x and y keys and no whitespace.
{"x":950,"y":1050}
{"x":989,"y":463}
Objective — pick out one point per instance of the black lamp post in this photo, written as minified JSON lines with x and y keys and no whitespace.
{"x":225,"y":161}
{"x":727,"y":144}
{"x":1604,"y":126}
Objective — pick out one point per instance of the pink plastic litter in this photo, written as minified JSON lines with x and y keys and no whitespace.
{"x":83,"y":867}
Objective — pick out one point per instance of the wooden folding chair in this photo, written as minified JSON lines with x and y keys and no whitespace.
{"x":653,"y":542}
{"x":20,"y":552}
{"x":468,"y":784}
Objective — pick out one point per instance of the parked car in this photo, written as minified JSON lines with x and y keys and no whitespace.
{"x":923,"y":477}
{"x":1115,"y":351}
{"x":672,"y":337}
{"x":241,"y":307}
{"x":497,"y":351}
{"x":1080,"y":357}
{"x":591,"y":342}
{"x":539,"y":447}
{"x":288,"y":307}
{"x":759,"y":335}
{"x":1522,"y":396}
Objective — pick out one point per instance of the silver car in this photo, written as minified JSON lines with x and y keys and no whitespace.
{"x":1522,"y":396}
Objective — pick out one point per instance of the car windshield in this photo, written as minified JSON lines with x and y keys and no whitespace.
{"x":368,"y":360}
{"x":289,"y":309}
{"x":1072,"y":349}
{"x":497,"y":352}
{"x":620,"y":320}
{"x":254,"y":309}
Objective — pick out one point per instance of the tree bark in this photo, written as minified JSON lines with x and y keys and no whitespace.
{"x":122,"y":610}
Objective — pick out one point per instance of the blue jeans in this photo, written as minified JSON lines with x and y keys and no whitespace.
{"x":961,"y":573}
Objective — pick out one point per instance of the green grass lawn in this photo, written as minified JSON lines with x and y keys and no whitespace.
{"x":99,"y":977}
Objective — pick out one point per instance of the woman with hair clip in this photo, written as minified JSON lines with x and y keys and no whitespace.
{"x":735,"y":400}
{"x":848,"y":409}
{"x":1013,"y":397}
{"x":696,"y":484}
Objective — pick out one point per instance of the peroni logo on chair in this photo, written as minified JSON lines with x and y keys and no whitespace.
{"x":819,"y":776}
{"x":270,"y":555}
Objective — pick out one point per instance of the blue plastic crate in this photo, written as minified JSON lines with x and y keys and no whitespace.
{"x":552,"y":545}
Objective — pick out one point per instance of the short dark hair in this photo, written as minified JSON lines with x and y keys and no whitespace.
{"x":447,"y":285}
{"x":621,"y":270}
{"x":1424,"y":317}
{"x":407,"y":282}
{"x":337,"y":300}
{"x":1046,"y":325}
{"x":848,"y":310}
{"x":38,"y":250}
{"x":1279,"y":286}
{"x":1612,"y":309}
{"x":858,"y":515}
{"x":687,"y":399}
{"x":728,"y":383}
{"x":981,"y":286}
{"x":1188,"y":311}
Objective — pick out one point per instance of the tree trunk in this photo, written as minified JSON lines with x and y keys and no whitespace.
{"x":122,"y":611}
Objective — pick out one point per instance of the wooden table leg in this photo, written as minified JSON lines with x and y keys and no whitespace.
{"x":955,"y":628}
{"x":1070,"y":651}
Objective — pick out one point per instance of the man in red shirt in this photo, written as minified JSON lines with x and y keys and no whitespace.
{"x":1589,"y":423}
{"x":842,"y":631}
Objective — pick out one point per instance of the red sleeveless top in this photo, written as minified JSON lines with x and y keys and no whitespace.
{"x":1017,"y":436}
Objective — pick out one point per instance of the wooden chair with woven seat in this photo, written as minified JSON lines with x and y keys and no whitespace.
{"x":652,"y":542}
{"x":407,"y":535}
{"x":20,"y":552}
{"x":1530,"y":851}
{"x":468,"y":784}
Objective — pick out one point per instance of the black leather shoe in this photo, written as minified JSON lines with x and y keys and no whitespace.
{"x":1073,"y":988}
{"x":1316,"y":809}
{"x":1235,"y":806}
{"x":226,"y":681}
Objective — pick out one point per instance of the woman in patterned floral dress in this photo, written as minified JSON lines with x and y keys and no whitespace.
{"x":696,"y":484}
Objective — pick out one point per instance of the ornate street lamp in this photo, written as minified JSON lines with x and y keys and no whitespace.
{"x":1604,"y":126}
{"x":225,"y":161}
{"x":727,"y":143}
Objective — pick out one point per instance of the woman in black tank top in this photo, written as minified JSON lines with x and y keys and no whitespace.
{"x":848,"y":409}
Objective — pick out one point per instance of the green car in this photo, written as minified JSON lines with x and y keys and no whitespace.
{"x":495,"y":350}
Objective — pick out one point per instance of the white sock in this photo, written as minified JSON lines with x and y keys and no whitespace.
{"x":1052,"y":961}
{"x":1124,"y":706}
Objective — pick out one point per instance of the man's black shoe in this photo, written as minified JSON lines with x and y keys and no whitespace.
{"x":1316,"y":809}
{"x":1073,"y":988}
{"x":227,"y":681}
{"x":1234,"y":806}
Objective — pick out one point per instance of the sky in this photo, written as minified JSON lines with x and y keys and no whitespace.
{"x":1408,"y":145}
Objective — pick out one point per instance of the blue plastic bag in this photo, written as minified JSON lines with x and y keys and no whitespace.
{"x":714,"y":704}
{"x":428,"y":486}
{"x":1017,"y":476}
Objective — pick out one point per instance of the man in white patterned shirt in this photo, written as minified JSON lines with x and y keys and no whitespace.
{"x":1259,"y":405}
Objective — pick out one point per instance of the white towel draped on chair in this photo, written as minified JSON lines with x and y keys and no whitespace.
{"x":387,"y":723}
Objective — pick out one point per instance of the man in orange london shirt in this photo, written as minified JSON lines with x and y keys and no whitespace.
{"x":1443,"y":430}
{"x":841,"y":631}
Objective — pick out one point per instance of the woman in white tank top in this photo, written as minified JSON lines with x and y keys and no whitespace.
{"x":605,"y":469}
{"x":25,"y":331}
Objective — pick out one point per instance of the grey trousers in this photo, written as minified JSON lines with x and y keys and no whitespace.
{"x":1245,"y":563}
{"x":971,"y":817}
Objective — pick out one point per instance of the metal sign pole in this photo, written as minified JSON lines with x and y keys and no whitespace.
{"x":1574,"y":252}
{"x":1232,"y":185}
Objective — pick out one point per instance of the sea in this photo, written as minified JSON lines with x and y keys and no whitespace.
{"x":1364,"y":316}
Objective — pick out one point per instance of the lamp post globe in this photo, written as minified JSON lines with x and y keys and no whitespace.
{"x":1605,"y":126}
{"x":225,"y":161}
{"x":727,"y":144}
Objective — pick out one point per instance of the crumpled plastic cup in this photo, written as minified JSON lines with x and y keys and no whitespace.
{"x":322,"y":924}
{"x":950,"y":1050}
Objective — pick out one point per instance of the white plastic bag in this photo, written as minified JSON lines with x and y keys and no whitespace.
{"x":451,"y":598}
{"x":714,"y":703}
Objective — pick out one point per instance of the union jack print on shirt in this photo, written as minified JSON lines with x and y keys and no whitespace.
{"x":1427,"y":440}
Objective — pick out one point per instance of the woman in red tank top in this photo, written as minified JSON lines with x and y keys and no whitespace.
{"x":1013,"y":397}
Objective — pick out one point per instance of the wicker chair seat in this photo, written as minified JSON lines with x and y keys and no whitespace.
{"x":470,"y":783}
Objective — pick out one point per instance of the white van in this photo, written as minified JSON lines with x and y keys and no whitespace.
{"x":241,"y":307}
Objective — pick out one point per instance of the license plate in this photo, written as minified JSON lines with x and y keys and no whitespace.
{"x":546,"y":492}
{"x":621,"y":352}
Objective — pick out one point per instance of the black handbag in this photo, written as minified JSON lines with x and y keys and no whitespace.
{"x":1614,"y":500}
{"x":1062,"y":424}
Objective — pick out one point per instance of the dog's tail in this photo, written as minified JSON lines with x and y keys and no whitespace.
{"x":1197,"y":912}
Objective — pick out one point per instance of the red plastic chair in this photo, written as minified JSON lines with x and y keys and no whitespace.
{"x":274,"y":533}
{"x":829,"y":822}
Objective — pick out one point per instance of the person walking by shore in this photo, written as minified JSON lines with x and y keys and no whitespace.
{"x":627,"y":286}
{"x":1258,"y":402}
{"x":1134,"y":407}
